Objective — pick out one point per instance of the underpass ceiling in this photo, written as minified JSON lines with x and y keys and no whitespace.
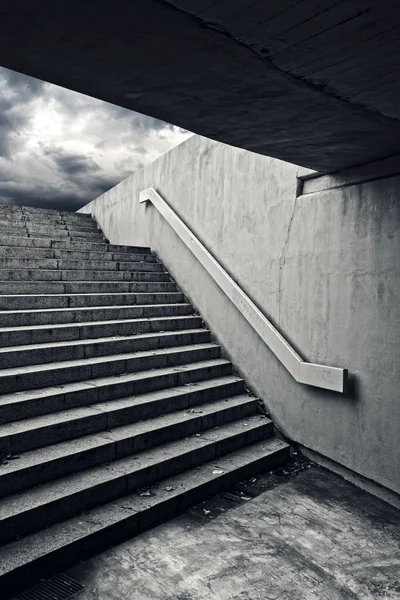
{"x":313,"y":82}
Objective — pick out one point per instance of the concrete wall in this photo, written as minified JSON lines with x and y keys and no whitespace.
{"x":324,"y":267}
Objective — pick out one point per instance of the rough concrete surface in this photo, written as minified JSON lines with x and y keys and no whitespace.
{"x":315,"y":537}
{"x":322,"y":266}
{"x":314,"y":83}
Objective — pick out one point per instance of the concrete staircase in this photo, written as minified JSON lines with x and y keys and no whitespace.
{"x":117,"y":409}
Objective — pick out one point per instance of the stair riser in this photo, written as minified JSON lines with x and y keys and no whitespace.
{"x":88,"y":266}
{"x":36,"y":229}
{"x":80,"y":275}
{"x":18,"y":257}
{"x":81,"y":287}
{"x":24,"y":252}
{"x":133,"y":524}
{"x":22,"y":227}
{"x":81,"y":266}
{"x":20,"y":302}
{"x":120,"y":485}
{"x":46,"y":218}
{"x":72,"y":332}
{"x":93,"y":394}
{"x":69,"y":244}
{"x":18,"y":319}
{"x":40,"y":356}
{"x":21,"y":219}
{"x":46,"y":242}
{"x":112,"y":450}
{"x":50,"y":301}
{"x":62,"y":375}
{"x":60,"y":235}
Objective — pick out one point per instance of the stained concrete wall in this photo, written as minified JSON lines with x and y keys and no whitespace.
{"x":322,"y":266}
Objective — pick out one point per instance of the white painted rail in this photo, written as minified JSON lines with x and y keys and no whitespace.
{"x":330,"y":378}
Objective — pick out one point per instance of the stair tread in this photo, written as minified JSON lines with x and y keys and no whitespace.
{"x":87,"y":323}
{"x":57,"y":270}
{"x":27,"y":395}
{"x":99,"y":340}
{"x":65,"y":364}
{"x":25,"y":311}
{"x":95,"y":281}
{"x":39,"y":456}
{"x":47,"y":541}
{"x":68,"y":485}
{"x":73,"y":294}
{"x":42,"y":240}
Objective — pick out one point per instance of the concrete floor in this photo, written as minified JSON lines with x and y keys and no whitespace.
{"x":313,"y":537}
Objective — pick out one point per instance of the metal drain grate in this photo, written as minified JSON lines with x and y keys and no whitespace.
{"x":59,"y":587}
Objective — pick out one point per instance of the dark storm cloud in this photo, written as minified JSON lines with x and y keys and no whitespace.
{"x":72,"y":164}
{"x":20,"y":90}
{"x":40,"y":197}
{"x":62,"y":149}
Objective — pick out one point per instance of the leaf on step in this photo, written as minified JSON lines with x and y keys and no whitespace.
{"x":217,"y":471}
{"x":169,"y":488}
{"x":146,"y":492}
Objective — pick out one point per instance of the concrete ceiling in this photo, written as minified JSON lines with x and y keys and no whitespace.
{"x":313,"y":82}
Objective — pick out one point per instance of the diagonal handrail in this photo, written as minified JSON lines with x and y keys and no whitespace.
{"x":322,"y":376}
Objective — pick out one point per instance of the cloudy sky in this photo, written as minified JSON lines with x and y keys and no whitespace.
{"x":62,"y":149}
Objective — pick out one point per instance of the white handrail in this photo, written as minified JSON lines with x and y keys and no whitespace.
{"x":330,"y":378}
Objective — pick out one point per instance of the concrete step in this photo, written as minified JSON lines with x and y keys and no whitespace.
{"x":43,"y":241}
{"x":79,"y":439}
{"x":17,"y":379}
{"x":17,"y":318}
{"x":24,"y":513}
{"x":23,"y":226}
{"x":42,"y":334}
{"x":81,"y":275}
{"x":74,"y":423}
{"x":36,"y":354}
{"x":21,"y":253}
{"x":70,"y":244}
{"x":31,"y":403}
{"x":57,"y":301}
{"x":54,"y":220}
{"x":37,"y":466}
{"x":91,"y":265}
{"x":84,"y":287}
{"x":109,"y":382}
{"x":17,"y":475}
{"x":77,"y":538}
{"x":36,"y":231}
{"x":41,"y":213}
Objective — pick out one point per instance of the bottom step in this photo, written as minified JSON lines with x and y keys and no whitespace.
{"x":61,"y":545}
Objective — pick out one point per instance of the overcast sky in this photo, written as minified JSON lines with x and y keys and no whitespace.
{"x":62,"y":149}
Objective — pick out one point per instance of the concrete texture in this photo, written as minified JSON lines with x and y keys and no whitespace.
{"x":322,"y":266}
{"x":94,"y":410}
{"x":314,"y":83}
{"x":315,"y":537}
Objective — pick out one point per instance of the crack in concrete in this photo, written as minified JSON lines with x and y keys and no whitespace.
{"x":282,"y":257}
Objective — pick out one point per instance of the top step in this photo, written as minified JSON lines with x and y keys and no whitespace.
{"x":42,"y":212}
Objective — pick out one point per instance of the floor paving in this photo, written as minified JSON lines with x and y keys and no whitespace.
{"x":309,"y":535}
